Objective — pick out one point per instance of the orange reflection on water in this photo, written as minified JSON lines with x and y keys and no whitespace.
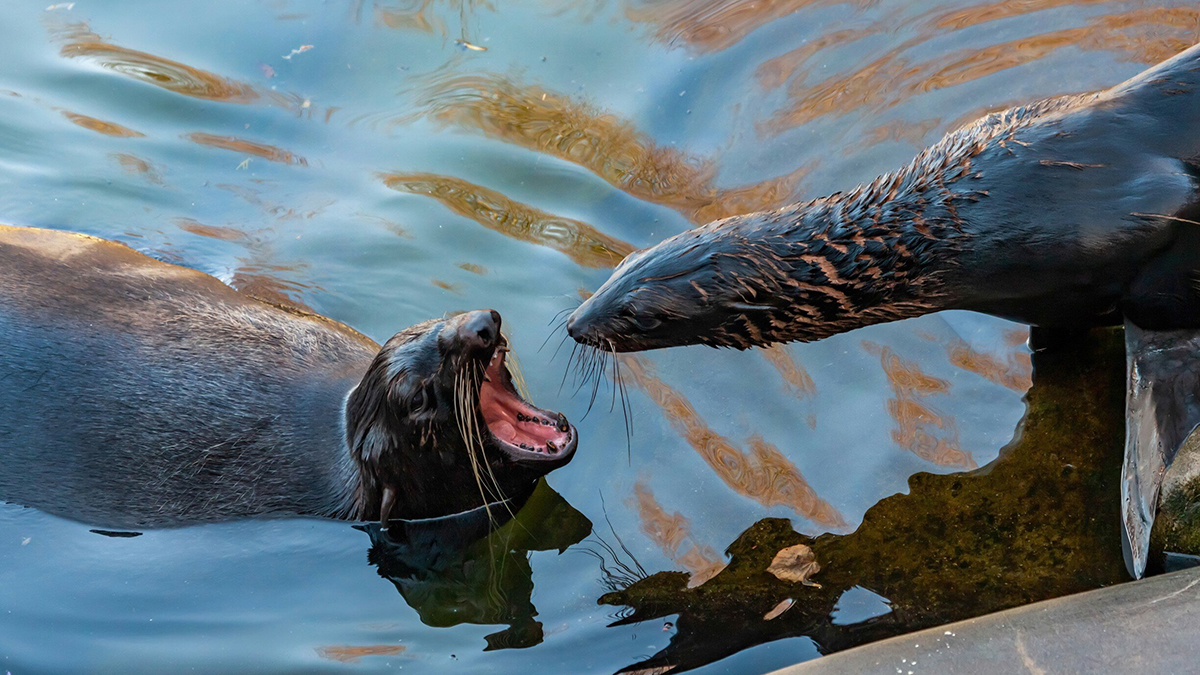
{"x":920,"y":429}
{"x":666,"y":530}
{"x":1144,"y":35}
{"x":898,"y":131}
{"x":610,"y":147}
{"x":355,"y":653}
{"x":1014,"y":372}
{"x":81,"y":43}
{"x":670,"y":531}
{"x":1016,"y":336}
{"x":712,"y":25}
{"x":583,"y":243}
{"x":268,"y":152}
{"x":763,"y":474}
{"x":447,"y":286}
{"x":409,"y":15}
{"x":132,"y":164}
{"x":211,"y":231}
{"x":965,"y":17}
{"x":263,"y":282}
{"x":258,"y":275}
{"x":798,"y":379}
{"x":100,"y":126}
{"x":282,"y":212}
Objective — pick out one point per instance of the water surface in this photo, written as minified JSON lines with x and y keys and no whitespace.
{"x":385,"y":162}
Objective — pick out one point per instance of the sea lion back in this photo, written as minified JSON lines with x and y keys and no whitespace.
{"x":114,"y":361}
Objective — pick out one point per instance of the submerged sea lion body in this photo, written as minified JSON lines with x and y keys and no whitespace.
{"x":136,"y":393}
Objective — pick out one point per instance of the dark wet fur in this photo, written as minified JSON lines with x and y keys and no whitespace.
{"x":1067,"y":212}
{"x":406,"y":400}
{"x":136,"y":394}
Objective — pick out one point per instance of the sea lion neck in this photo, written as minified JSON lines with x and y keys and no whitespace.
{"x":884,"y":251}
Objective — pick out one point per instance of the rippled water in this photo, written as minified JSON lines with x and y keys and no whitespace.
{"x":385,"y":162}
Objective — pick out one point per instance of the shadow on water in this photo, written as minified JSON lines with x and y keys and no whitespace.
{"x":474,"y":568}
{"x":1039,"y":522}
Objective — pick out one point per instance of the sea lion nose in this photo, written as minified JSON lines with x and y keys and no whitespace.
{"x":481,"y":328}
{"x":580,"y":326}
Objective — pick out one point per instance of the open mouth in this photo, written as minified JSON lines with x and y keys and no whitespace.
{"x":523,"y":429}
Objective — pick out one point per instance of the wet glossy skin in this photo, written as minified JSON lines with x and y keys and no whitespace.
{"x":142,"y":394}
{"x":1064,"y":213}
{"x":523,"y":181}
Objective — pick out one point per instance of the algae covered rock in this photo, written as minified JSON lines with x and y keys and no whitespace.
{"x":1041,"y":521}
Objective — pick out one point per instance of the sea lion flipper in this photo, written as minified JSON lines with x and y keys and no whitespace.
{"x":385,"y":509}
{"x":1161,"y":410}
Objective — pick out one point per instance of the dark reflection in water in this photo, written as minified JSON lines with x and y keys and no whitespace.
{"x":474,"y":568}
{"x":1039,"y":522}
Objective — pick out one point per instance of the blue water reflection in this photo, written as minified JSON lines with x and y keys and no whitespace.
{"x":259,"y":142}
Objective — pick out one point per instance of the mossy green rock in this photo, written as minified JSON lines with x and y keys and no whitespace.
{"x":1041,"y":521}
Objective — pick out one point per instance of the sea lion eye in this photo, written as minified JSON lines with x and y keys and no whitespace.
{"x":421,"y":400}
{"x":646,"y":322}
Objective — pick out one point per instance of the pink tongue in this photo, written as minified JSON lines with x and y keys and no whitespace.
{"x":504,"y":430}
{"x":542,"y":433}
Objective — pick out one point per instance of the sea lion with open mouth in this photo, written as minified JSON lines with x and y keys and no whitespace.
{"x":135,"y":393}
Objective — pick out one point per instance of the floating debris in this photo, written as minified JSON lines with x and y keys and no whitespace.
{"x":299,"y":50}
{"x":467,"y":45}
{"x":796,"y":564}
{"x":62,"y":5}
{"x":267,"y":71}
{"x":779,"y":609}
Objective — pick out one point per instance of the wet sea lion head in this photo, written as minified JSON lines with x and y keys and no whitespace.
{"x":438,"y":422}
{"x":713,"y":285}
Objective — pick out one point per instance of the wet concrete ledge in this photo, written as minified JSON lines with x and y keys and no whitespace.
{"x":1148,"y":626}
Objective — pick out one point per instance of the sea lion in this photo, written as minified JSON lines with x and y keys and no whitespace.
{"x":136,"y":393}
{"x":1076,"y":210}
{"x":1070,"y":212}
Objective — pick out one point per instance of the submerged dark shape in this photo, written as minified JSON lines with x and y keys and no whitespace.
{"x":1041,"y":521}
{"x":474,"y":567}
{"x":134,"y":393}
{"x":1072,"y":211}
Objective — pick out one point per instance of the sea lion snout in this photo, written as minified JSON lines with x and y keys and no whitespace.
{"x":579,"y":327}
{"x":480,"y":329}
